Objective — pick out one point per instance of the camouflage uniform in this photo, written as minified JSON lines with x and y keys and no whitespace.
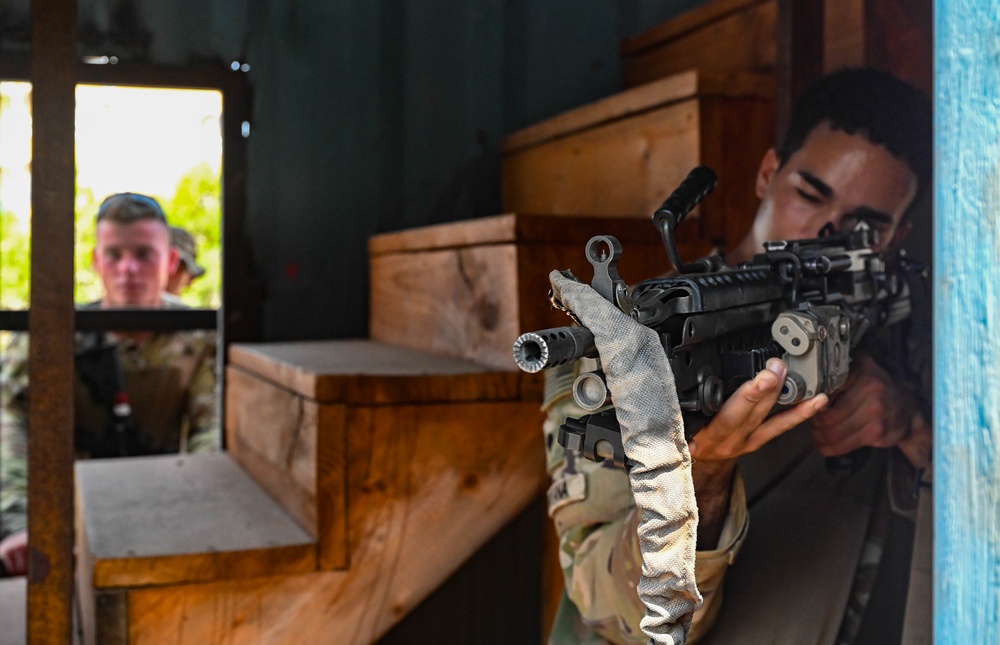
{"x":171,"y":383}
{"x":596,"y":519}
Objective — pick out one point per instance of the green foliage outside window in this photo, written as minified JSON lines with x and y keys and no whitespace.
{"x":194,"y":206}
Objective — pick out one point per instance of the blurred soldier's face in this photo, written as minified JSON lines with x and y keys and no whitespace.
{"x":179,"y":280}
{"x":835,"y":178}
{"x":133,"y":261}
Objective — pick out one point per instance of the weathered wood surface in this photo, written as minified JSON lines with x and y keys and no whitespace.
{"x":173,"y":519}
{"x":371,"y":372}
{"x":461,"y":303}
{"x":519,"y":228}
{"x":619,"y":168}
{"x":296,"y":449}
{"x":622,"y":156}
{"x":426,"y":490}
{"x":468,"y":289}
{"x":967,"y":325}
{"x":679,"y":87}
{"x":722,"y":35}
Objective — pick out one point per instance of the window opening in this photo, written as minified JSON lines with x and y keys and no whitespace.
{"x":162,"y":142}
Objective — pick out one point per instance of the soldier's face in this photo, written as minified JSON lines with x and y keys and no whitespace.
{"x":835,"y":178}
{"x":133,"y":261}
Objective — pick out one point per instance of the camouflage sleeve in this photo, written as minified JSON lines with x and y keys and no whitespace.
{"x":203,"y":433}
{"x":597,"y":522}
{"x":14,"y":437}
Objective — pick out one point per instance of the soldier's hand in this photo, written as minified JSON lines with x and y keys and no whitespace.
{"x":742,"y":425}
{"x":14,"y":553}
{"x":872,"y":410}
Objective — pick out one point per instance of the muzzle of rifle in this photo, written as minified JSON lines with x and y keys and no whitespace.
{"x":539,"y":350}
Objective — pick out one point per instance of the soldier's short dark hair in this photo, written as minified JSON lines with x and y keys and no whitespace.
{"x":125,"y":208}
{"x":870,"y":103}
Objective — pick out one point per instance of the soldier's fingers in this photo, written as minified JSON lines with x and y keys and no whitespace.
{"x":752,"y":402}
{"x":784,"y":421}
{"x":744,"y":411}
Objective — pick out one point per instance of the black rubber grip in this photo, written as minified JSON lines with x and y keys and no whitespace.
{"x":699,"y":183}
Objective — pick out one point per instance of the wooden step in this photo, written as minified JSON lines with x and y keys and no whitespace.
{"x":622,"y":156}
{"x":174,"y":520}
{"x":723,"y":35}
{"x":397,"y":466}
{"x":469,"y":289}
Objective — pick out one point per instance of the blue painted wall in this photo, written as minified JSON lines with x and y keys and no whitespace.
{"x":967,"y":322}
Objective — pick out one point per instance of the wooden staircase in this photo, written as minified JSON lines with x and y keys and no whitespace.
{"x":360,"y":474}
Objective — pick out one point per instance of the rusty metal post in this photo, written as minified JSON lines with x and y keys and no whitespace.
{"x":51,"y":322}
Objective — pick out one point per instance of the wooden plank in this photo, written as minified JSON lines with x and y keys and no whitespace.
{"x":50,"y":362}
{"x":331,"y":483}
{"x":172,"y":519}
{"x":371,"y":372}
{"x":272,"y":432}
{"x":966,"y":333}
{"x":522,"y":228}
{"x":486,"y":230}
{"x":688,"y":21}
{"x":628,"y":168}
{"x":429,"y":485}
{"x":472,"y":301}
{"x":740,"y":40}
{"x":663,"y":92}
{"x":296,"y":450}
{"x":461,"y":303}
{"x":622,"y":168}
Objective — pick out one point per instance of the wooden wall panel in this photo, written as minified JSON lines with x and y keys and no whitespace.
{"x":455,"y":302}
{"x":622,"y":168}
{"x":294,"y":447}
{"x":427,"y":490}
{"x":733,"y":35}
{"x":272,"y":433}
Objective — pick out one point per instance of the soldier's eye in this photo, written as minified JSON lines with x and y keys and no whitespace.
{"x":809,"y":197}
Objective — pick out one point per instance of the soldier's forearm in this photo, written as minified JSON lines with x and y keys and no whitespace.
{"x":713,"y":483}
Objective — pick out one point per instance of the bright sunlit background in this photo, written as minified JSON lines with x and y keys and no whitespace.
{"x":165,"y":143}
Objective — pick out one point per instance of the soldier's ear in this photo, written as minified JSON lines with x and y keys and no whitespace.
{"x":173,"y":260}
{"x":765,"y":174}
{"x":899,"y":235}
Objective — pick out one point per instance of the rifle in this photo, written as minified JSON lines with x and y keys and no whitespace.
{"x":99,"y":365}
{"x":808,"y":302}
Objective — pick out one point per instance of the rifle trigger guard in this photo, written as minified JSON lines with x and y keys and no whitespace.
{"x":603,"y":252}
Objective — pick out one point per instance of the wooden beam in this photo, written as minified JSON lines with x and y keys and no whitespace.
{"x":50,"y":363}
{"x":966,"y":324}
{"x":800,"y":53}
